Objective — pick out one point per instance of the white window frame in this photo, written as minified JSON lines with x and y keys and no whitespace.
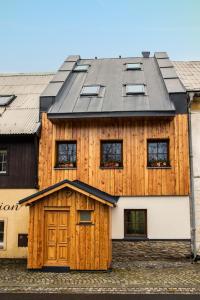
{"x":5,"y":162}
{"x":4,"y":234}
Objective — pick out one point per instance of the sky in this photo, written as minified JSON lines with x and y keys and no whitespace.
{"x":37,"y":35}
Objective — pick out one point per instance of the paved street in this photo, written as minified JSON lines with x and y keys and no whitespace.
{"x":136,"y":277}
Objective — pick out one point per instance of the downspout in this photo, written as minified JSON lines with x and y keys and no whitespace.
{"x":192,"y":200}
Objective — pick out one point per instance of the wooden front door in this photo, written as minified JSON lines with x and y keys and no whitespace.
{"x":56,"y":236}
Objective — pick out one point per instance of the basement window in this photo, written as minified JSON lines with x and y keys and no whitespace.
{"x":81,"y":68}
{"x":135,"y":89}
{"x":6,"y":99}
{"x":92,"y":90}
{"x":133,"y":66}
{"x":66,"y":154}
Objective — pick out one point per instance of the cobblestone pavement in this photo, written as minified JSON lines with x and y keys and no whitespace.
{"x":138,"y":277}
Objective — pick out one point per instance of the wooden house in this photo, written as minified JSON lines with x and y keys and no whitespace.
{"x":113,"y":165}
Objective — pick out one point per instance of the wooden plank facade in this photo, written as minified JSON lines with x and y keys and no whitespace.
{"x":57,"y":238}
{"x":134,"y":179}
{"x":22,"y":166}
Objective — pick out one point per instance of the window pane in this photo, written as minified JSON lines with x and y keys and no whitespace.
{"x":1,"y":233}
{"x":90,"y":90}
{"x":5,"y":100}
{"x":62,"y":153}
{"x":85,"y":216}
{"x":132,"y":66}
{"x":134,"y":89}
{"x":162,"y":147}
{"x":152,"y":147}
{"x":3,"y":161}
{"x":81,"y":68}
{"x":162,"y":157}
{"x":135,"y":222}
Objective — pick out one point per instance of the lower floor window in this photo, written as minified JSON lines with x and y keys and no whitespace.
{"x":2,"y":226}
{"x":135,"y":222}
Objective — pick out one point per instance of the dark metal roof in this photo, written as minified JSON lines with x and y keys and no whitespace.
{"x":112,"y":76}
{"x":79,"y":184}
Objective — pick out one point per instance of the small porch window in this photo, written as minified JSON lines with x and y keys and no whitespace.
{"x":111,"y":154}
{"x":66,"y":154}
{"x":85,"y":217}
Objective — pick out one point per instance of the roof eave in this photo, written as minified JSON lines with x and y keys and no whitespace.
{"x":74,"y":115}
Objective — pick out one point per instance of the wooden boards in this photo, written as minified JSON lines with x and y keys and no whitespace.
{"x":135,"y":179}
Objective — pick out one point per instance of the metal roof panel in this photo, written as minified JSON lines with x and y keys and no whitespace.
{"x":174,"y":86}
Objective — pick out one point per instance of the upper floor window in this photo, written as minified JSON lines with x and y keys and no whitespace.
{"x":3,"y":161}
{"x":111,"y":154}
{"x":158,"y":153}
{"x":133,"y":66}
{"x":135,"y":223}
{"x":135,"y":89}
{"x":2,"y":237}
{"x":66,"y":154}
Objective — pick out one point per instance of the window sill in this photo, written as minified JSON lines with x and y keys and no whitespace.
{"x":72,"y":168}
{"x":85,"y":223}
{"x":159,"y":167}
{"x":119,"y":168}
{"x":136,"y":238}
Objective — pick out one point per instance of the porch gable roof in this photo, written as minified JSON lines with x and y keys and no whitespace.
{"x":75,"y":185}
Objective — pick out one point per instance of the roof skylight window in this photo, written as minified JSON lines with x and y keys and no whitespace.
{"x":133,"y":66}
{"x":6,"y":99}
{"x":81,"y":68}
{"x":135,"y":89}
{"x":92,"y":90}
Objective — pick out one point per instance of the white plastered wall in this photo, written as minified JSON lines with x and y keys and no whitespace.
{"x":16,"y":221}
{"x":167,"y":217}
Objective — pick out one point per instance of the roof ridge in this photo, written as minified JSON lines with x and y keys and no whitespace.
{"x":27,"y":74}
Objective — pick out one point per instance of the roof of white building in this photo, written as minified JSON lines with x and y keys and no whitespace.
{"x":189,"y":73}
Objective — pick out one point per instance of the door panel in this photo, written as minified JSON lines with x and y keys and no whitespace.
{"x":56,"y":238}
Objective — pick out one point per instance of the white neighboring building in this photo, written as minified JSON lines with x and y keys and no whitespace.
{"x":189,"y":73}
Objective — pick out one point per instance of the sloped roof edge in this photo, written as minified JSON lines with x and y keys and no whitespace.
{"x":76,"y":185}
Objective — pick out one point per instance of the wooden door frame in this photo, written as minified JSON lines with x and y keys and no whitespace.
{"x":46,"y":209}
